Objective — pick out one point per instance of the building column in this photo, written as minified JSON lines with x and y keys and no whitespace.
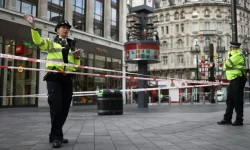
{"x":107,"y":19}
{"x":10,"y":4}
{"x":68,"y":13}
{"x":42,"y":9}
{"x":90,"y":16}
{"x":122,"y":20}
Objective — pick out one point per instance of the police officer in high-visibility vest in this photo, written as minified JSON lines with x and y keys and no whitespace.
{"x":235,"y":68}
{"x":60,"y":89}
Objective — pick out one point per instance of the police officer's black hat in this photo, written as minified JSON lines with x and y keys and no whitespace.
{"x":235,"y":44}
{"x":62,"y":23}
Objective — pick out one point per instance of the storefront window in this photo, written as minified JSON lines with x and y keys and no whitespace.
{"x":115,"y":20}
{"x":19,"y":82}
{"x":26,"y":7}
{"x":1,"y":3}
{"x":98,"y":17}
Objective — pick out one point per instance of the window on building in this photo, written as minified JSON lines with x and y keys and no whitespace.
{"x":166,"y":29}
{"x":218,"y":13}
{"x":79,"y":18}
{"x":182,"y":27}
{"x":219,"y":26}
{"x":219,"y":42}
{"x":195,"y":42}
{"x":182,"y":15}
{"x":27,"y":7}
{"x":207,"y":25}
{"x":55,"y":11}
{"x":98,"y":17}
{"x":177,"y":28}
{"x":180,"y":59}
{"x":195,"y":13}
{"x":1,"y":3}
{"x":164,"y":44}
{"x":195,"y":26}
{"x":115,"y":20}
{"x":56,"y":2}
{"x":240,"y":16}
{"x":167,"y":17}
{"x":165,"y":60}
{"x":162,"y":30}
{"x":179,"y":44}
{"x":248,"y":31}
{"x":206,"y":12}
{"x":207,"y":41}
{"x":242,"y":29}
{"x":176,"y":16}
{"x":161,"y":18}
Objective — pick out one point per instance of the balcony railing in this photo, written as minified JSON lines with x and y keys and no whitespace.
{"x":208,"y":32}
{"x":206,"y":49}
{"x":220,"y":49}
{"x":195,"y":49}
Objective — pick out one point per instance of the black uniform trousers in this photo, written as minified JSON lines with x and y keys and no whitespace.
{"x":60,"y":90}
{"x":235,"y":95}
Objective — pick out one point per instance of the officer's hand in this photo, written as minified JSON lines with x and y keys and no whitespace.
{"x":77,"y":54}
{"x":30,"y":20}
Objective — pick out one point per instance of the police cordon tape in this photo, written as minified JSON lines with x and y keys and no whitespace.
{"x":92,"y":93}
{"x":7,"y":56}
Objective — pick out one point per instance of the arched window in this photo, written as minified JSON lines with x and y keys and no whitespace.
{"x":206,"y":12}
{"x":182,"y":15}
{"x":179,"y":44}
{"x":161,"y":18}
{"x":218,"y":13}
{"x":195,"y":12}
{"x":167,"y":17}
{"x":176,"y":16}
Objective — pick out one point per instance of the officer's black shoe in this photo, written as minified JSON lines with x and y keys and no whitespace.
{"x":63,"y":141}
{"x":57,"y":144}
{"x":224,"y":122}
{"x":237,"y":123}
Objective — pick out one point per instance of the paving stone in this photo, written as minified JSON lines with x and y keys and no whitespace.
{"x":21,"y":148}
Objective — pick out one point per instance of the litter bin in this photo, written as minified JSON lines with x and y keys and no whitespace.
{"x":110,"y":102}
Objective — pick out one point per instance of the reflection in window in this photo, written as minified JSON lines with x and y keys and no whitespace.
{"x":26,"y":8}
{"x":57,"y":2}
{"x":114,"y":20}
{"x":98,"y":17}
{"x":1,"y":3}
{"x":79,"y":14}
{"x":54,"y":16}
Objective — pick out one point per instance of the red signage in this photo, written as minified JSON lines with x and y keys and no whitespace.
{"x":19,"y":49}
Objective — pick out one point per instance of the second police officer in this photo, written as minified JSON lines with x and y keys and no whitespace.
{"x":235,"y":68}
{"x":60,"y":89}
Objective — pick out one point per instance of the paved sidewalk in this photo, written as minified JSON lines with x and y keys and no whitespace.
{"x":186,"y":127}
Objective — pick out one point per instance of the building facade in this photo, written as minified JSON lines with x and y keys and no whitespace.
{"x":187,"y":27}
{"x":97,"y":26}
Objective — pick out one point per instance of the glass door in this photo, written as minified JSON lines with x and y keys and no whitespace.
{"x":8,"y":74}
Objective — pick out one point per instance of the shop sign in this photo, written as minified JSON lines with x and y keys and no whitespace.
{"x":102,"y":50}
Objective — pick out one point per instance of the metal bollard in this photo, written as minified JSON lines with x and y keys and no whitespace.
{"x":180,"y":100}
{"x":192,"y":99}
{"x":159,"y":96}
{"x":169,"y":101}
{"x":204,"y":101}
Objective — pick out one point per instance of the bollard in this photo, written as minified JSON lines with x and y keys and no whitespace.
{"x":159,"y":96}
{"x":169,"y":101}
{"x":131,"y":96}
{"x":180,"y":99}
{"x":192,"y":99}
{"x":204,"y":100}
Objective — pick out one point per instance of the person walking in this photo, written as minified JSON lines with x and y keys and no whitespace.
{"x":235,"y":68}
{"x":60,"y":89}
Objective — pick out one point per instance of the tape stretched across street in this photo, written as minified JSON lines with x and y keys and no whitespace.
{"x":7,"y":56}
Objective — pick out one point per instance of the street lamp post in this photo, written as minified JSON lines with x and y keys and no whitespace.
{"x":197,"y":66}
